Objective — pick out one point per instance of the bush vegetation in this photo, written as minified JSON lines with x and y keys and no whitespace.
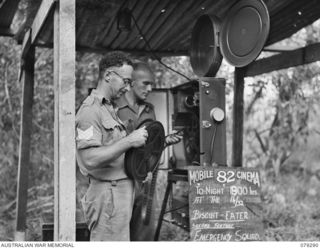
{"x":281,"y":138}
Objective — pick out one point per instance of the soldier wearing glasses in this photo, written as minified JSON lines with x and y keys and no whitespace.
{"x":101,"y":144}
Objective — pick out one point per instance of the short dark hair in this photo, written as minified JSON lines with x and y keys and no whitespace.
{"x":140,"y":65}
{"x":115,"y":58}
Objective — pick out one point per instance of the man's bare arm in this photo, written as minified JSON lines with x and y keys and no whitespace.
{"x":99,"y":157}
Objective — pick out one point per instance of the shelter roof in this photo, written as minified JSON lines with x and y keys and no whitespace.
{"x":166,"y":24}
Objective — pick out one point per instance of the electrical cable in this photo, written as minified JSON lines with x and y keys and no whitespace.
{"x":153,"y":54}
{"x":213,"y":137}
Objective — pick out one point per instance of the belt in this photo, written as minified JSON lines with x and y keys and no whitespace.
{"x":113,"y":182}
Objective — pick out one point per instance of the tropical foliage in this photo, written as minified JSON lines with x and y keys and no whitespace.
{"x":281,"y":137}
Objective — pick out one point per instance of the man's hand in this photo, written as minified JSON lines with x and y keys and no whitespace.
{"x":148,"y":178}
{"x":172,"y":139}
{"x":138,"y":137}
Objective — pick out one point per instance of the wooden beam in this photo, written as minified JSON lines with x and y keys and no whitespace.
{"x":40,"y":18}
{"x":285,"y":60}
{"x":8,"y":9}
{"x":103,"y":50}
{"x":26,"y":43}
{"x":32,"y":34}
{"x":2,"y":2}
{"x":4,"y":31}
{"x":25,"y":49}
{"x":280,"y":48}
{"x":64,"y":122}
{"x":238,"y":109}
{"x":134,"y":52}
{"x":24,"y":148}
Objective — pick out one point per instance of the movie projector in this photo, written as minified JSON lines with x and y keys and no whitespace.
{"x":196,"y":109}
{"x":199,"y":106}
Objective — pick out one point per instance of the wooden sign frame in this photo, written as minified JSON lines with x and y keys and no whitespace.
{"x":225,"y":204}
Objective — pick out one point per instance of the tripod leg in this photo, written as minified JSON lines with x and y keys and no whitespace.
{"x":163,"y":209}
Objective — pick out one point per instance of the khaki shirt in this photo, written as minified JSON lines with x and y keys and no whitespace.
{"x":130,"y":117}
{"x":97,"y":124}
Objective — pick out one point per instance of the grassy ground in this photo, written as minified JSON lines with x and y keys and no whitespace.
{"x":291,"y":209}
{"x":291,"y":212}
{"x":291,"y":203}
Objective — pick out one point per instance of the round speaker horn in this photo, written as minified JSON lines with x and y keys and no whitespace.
{"x":244,"y":32}
{"x":205,"y":56}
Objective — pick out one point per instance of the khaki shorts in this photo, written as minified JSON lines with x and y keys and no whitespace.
{"x":108,"y":208}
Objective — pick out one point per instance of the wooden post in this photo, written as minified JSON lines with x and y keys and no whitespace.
{"x":24,"y":148}
{"x":64,"y":122}
{"x":237,"y":138}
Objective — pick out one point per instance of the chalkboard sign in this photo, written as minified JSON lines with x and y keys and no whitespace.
{"x":225,"y":204}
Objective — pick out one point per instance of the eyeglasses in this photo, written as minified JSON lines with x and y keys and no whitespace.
{"x":126,"y":81}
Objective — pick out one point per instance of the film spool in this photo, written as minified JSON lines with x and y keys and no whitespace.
{"x":205,"y":55}
{"x":141,"y":160}
{"x":244,"y":32}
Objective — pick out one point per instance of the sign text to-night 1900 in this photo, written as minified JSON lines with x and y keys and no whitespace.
{"x":224,"y":204}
